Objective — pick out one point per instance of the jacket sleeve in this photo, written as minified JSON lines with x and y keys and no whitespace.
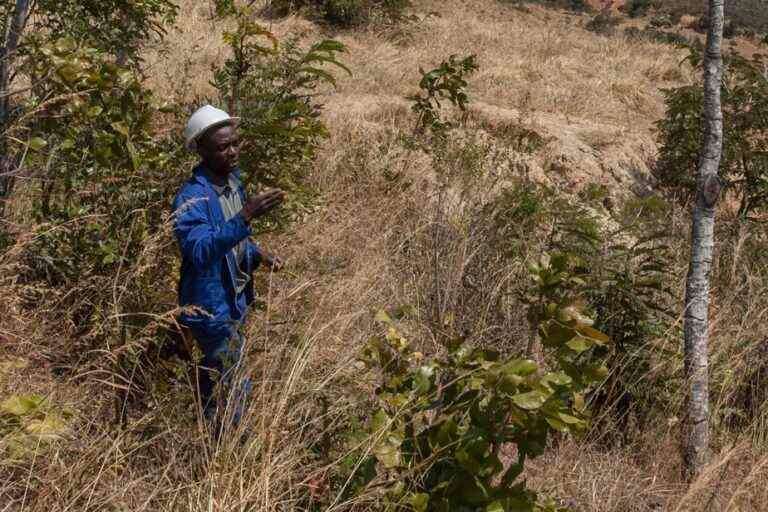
{"x":254,"y":253}
{"x":200,"y":242}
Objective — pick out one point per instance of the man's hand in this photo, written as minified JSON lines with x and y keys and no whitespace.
{"x":272,"y":262}
{"x":260,"y":204}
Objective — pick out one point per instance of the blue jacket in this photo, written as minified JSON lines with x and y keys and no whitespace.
{"x":208,"y":263}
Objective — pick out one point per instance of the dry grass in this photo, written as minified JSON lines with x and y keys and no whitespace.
{"x":370,"y":245}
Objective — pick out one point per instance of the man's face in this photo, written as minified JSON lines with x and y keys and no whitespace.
{"x":220,"y":149}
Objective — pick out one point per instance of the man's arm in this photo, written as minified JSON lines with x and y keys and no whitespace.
{"x":200,"y":243}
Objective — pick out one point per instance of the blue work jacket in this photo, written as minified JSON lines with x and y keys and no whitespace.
{"x":208,"y":263}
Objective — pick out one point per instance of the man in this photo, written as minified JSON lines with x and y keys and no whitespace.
{"x":218,"y":258}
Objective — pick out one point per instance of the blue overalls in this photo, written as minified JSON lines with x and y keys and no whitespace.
{"x":207,"y":281}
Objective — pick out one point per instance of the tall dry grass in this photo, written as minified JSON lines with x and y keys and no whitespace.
{"x":386,"y":233}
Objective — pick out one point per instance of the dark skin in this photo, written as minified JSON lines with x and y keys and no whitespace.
{"x":219,"y":149}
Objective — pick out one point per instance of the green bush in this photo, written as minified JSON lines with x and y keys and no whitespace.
{"x":345,"y":13}
{"x":118,"y":27}
{"x":272,"y":87}
{"x":445,"y":82}
{"x":444,"y":421}
{"x":661,"y":36}
{"x":744,"y":166}
{"x":571,"y":5}
{"x":637,"y":8}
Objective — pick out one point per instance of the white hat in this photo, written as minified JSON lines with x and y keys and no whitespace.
{"x":205,"y":118}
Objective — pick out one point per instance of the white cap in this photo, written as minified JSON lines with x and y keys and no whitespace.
{"x":205,"y":118}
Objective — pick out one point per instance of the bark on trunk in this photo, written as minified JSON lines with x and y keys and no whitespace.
{"x":8,"y":52}
{"x":696,"y":447}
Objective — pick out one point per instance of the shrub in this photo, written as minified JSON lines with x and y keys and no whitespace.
{"x":637,"y":8}
{"x":118,"y":27}
{"x":272,"y":87}
{"x":446,"y":82}
{"x":661,"y":36}
{"x":744,"y":166}
{"x":345,"y":13}
{"x":572,"y":5}
{"x":661,"y":21}
{"x":444,"y":421}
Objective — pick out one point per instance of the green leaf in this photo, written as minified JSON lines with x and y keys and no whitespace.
{"x":21,"y":404}
{"x":567,"y":418}
{"x":95,"y":111}
{"x":37,"y":143}
{"x":69,"y":73}
{"x":529,"y":401}
{"x":495,"y":506}
{"x":555,"y":423}
{"x":520,"y":367}
{"x":579,"y":344}
{"x":383,"y":318}
{"x":419,"y":501}
{"x":120,"y":127}
{"x":422,"y":380}
{"x":387,"y":451}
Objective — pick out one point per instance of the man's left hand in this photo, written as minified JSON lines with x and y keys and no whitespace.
{"x":274,"y":263}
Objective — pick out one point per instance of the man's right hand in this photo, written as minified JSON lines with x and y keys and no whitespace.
{"x":260,"y":204}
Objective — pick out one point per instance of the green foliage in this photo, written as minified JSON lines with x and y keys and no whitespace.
{"x":637,"y":8}
{"x":29,"y":424}
{"x":572,"y":5}
{"x":662,"y":36}
{"x":118,"y":27}
{"x":444,"y":420}
{"x":446,"y":82}
{"x":105,"y":167}
{"x":744,"y":166}
{"x":625,"y":263}
{"x":345,"y":13}
{"x":272,"y":88}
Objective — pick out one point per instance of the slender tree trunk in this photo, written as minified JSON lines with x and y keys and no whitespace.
{"x":8,"y":51}
{"x":696,"y":447}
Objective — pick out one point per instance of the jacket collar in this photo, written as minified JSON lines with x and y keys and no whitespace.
{"x":199,"y":175}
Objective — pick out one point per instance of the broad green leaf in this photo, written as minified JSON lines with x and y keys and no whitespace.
{"x":567,"y":418}
{"x":557,"y":378}
{"x":556,"y":423}
{"x":37,"y":143}
{"x":387,"y":450}
{"x":579,"y":344}
{"x":520,"y":367}
{"x":69,"y":72}
{"x":422,"y":380}
{"x":120,"y":127}
{"x":95,"y":111}
{"x":529,"y":401}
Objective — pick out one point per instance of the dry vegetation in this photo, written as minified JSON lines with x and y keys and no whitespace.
{"x":591,"y":103}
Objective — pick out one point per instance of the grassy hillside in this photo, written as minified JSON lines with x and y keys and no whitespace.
{"x":553,"y":105}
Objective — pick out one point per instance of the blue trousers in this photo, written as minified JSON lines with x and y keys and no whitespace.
{"x":222,"y":386}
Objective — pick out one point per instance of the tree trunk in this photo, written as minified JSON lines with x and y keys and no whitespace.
{"x":8,"y":52}
{"x":696,"y":447}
